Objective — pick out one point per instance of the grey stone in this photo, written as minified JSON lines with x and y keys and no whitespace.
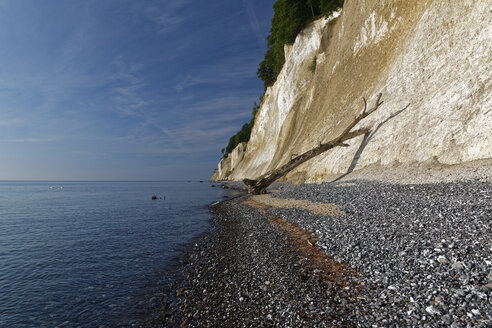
{"x":458,"y":266}
{"x":446,"y":319}
{"x":442,"y":259}
{"x":432,"y":310}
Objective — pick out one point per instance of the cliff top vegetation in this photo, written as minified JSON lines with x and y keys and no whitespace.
{"x":289,"y":18}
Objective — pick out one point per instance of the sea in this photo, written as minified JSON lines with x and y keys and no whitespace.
{"x":95,"y":254}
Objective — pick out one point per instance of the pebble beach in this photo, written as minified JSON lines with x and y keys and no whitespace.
{"x":385,"y":255}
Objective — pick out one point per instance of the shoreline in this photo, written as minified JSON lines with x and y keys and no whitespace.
{"x":405,"y":255}
{"x":245,"y":272}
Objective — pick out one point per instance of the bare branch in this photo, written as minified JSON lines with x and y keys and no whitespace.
{"x":259,"y":185}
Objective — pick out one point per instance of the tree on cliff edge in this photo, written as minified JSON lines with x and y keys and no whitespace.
{"x":289,"y":18}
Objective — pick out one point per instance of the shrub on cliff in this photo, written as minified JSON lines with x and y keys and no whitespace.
{"x":243,"y":135}
{"x":289,"y":18}
{"x":329,"y":6}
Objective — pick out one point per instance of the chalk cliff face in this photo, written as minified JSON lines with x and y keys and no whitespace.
{"x":432,"y":61}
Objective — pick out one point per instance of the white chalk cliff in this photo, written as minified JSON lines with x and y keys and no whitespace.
{"x":432,"y":61}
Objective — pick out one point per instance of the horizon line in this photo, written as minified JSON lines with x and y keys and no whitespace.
{"x":44,"y":180}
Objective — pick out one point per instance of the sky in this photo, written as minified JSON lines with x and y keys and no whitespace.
{"x":125,"y":89}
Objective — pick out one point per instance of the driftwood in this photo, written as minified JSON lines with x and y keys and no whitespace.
{"x":260,"y":185}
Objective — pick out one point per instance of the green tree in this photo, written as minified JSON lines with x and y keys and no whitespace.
{"x":328,"y":6}
{"x":289,"y":18}
{"x":244,"y":134}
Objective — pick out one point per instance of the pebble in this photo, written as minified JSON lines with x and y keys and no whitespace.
{"x":399,"y":241}
{"x":442,"y":259}
{"x":432,"y":310}
{"x":457,"y":266}
{"x":446,"y":319}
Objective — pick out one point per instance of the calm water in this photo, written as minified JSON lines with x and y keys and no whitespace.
{"x":79,"y":254}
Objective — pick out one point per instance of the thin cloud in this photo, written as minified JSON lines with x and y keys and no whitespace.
{"x":166,"y":16}
{"x":30,"y":140}
{"x":176,"y":139}
{"x":126,"y":72}
{"x":254,"y":23}
{"x":239,"y":103}
{"x":193,"y":137}
{"x":128,"y":99}
{"x":231,"y":71}
{"x":88,"y":153}
{"x":190,"y":138}
{"x":189,"y":81}
{"x":10,"y":122}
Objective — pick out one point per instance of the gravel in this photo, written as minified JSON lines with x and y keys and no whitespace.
{"x":425,"y":250}
{"x":415,"y":256}
{"x":246,"y":272}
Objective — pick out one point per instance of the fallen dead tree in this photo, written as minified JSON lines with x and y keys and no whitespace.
{"x":260,"y":185}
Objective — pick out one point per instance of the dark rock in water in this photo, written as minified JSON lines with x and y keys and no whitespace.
{"x":201,"y":181}
{"x":213,"y":186}
{"x":154,"y":197}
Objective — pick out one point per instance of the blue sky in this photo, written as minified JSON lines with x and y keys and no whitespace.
{"x":125,"y":89}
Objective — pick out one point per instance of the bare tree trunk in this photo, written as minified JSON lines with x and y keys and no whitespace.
{"x":311,"y":4}
{"x":260,"y":185}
